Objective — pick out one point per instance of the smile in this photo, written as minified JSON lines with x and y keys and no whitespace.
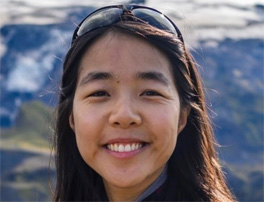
{"x":119,"y":147}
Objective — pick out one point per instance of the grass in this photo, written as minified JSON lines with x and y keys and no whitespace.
{"x":33,"y":129}
{"x":27,"y":179}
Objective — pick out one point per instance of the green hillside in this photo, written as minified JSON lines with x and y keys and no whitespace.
{"x":33,"y":130}
{"x":26,"y":169}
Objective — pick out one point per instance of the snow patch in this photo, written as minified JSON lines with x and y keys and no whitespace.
{"x":32,"y":68}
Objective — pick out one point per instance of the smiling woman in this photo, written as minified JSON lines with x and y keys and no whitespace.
{"x":132,"y":123}
{"x":132,"y":109}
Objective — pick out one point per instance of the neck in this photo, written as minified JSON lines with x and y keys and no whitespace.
{"x":117,"y":194}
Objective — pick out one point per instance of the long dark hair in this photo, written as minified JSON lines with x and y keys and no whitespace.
{"x":194,"y":173}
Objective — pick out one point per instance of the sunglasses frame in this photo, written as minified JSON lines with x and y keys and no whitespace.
{"x":126,"y":9}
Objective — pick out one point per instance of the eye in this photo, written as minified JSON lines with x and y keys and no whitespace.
{"x":150,"y":93}
{"x":99,"y":94}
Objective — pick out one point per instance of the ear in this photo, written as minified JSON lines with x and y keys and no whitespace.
{"x":183,"y":118}
{"x":71,"y":122}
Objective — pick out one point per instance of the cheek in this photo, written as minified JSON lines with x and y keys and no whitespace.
{"x":86,"y":120}
{"x":164,"y":136}
{"x":87,"y":128}
{"x":166,"y":118}
{"x":165,"y":126}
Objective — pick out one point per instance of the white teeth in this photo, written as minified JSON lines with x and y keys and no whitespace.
{"x":127,"y":148}
{"x":121,"y":148}
{"x":115,"y":147}
{"x":124,"y":147}
{"x":133,"y":147}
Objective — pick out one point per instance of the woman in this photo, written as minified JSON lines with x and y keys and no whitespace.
{"x":132,"y":122}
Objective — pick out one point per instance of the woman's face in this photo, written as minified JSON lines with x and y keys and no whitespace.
{"x":126,"y":111}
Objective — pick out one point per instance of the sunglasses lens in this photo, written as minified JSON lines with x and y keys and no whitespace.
{"x":155,"y":19}
{"x":110,"y":15}
{"x":99,"y":19}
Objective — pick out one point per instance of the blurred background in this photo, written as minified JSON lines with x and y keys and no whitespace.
{"x":226,"y":38}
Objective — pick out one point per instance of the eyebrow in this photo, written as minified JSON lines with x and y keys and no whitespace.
{"x":155,"y":76}
{"x":152,"y":75}
{"x":94,"y":76}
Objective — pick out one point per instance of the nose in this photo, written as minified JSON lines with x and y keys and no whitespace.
{"x":125,"y":114}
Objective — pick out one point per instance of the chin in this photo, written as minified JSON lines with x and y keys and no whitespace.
{"x":124,"y":182}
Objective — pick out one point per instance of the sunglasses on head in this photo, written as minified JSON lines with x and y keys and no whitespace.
{"x":112,"y":14}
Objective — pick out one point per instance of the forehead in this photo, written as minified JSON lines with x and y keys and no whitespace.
{"x":124,"y":54}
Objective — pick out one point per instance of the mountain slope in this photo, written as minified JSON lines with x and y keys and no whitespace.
{"x":33,"y":130}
